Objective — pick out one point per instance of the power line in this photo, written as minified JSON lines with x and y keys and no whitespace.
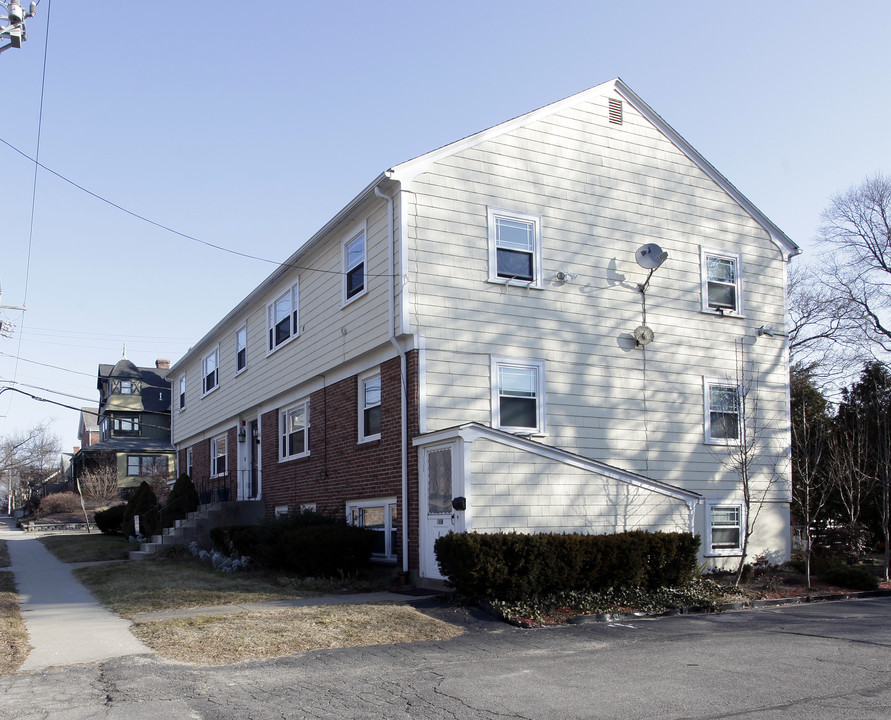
{"x":54,"y":367}
{"x":173,"y":231}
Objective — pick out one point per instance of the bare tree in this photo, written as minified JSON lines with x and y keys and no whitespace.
{"x":856,"y":230}
{"x":26,"y":459}
{"x":99,"y":485}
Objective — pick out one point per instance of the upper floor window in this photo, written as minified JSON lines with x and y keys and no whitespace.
{"x":126,"y":425}
{"x":722,"y":414}
{"x":514,"y":248}
{"x":354,"y":267}
{"x":294,"y":431}
{"x":182,"y":392}
{"x":147,"y":466}
{"x":518,"y":395}
{"x":218,"y":459}
{"x":126,"y":387}
{"x":369,"y":406}
{"x":210,"y":371}
{"x":721,"y":283}
{"x":283,"y":318}
{"x":240,"y":349}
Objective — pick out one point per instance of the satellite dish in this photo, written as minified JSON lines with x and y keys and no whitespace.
{"x":650,"y":256}
{"x":643,"y":335}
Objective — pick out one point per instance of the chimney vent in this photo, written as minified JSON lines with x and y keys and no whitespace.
{"x":162,"y":364}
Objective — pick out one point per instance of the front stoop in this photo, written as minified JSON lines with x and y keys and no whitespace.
{"x":197,"y":526}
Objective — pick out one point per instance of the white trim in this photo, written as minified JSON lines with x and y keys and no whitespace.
{"x":241,"y":329}
{"x":495,"y":214}
{"x":496,"y":363}
{"x":704,"y":255}
{"x":215,"y":354}
{"x":346,"y":267}
{"x":707,"y":385}
{"x":708,"y":550}
{"x":471,"y":432}
{"x":292,"y":294}
{"x":214,"y":454}
{"x":389,"y":525}
{"x":181,"y":393}
{"x":361,"y":379}
{"x":282,"y":434}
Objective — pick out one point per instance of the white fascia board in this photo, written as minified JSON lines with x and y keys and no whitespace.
{"x":777,"y":236}
{"x":473,"y":431}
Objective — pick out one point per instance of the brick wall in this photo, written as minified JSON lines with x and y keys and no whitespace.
{"x":339,"y":468}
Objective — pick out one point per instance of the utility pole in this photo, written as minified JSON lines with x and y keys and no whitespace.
{"x":14,"y":27}
{"x":5,"y":327}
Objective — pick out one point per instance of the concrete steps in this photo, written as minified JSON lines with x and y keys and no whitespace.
{"x":197,"y":526}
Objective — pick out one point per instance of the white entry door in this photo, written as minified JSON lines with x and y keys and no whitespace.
{"x":438,"y":465}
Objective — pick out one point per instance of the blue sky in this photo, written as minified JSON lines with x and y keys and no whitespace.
{"x":250,"y":131}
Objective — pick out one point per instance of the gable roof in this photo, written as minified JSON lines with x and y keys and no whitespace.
{"x":407,"y":171}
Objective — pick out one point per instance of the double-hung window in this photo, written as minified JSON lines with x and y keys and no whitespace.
{"x":294,"y":431}
{"x":378,"y":515}
{"x":210,"y":371}
{"x":721,"y":283}
{"x":189,"y":462}
{"x":283,"y":318}
{"x":722,"y":412}
{"x":126,"y":387}
{"x":218,"y":459}
{"x":354,"y":267}
{"x":369,"y":406}
{"x":518,"y":395}
{"x":182,"y":392}
{"x":725,"y":528}
{"x":240,"y":349}
{"x":514,"y":248}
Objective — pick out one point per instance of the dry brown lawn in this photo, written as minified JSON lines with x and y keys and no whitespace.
{"x":226,"y":639}
{"x":14,"y":646}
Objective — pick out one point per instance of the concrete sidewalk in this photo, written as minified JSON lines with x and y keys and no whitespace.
{"x":65,"y":623}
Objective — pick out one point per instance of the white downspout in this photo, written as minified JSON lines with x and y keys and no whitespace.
{"x":403,"y":373}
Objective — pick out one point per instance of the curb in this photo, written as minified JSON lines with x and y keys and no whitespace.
{"x":725,"y":607}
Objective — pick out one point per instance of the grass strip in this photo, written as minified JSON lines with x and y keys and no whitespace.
{"x":87,"y":548}
{"x":130,"y":588}
{"x":14,"y":645}
{"x":226,"y":639}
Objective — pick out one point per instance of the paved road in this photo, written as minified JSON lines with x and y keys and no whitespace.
{"x":822,"y":661}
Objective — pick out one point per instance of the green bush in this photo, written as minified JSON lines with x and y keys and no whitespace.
{"x":145,"y":504}
{"x":110,"y":521}
{"x":852,"y":578}
{"x":513,"y":566}
{"x":308,"y":544}
{"x":182,"y":500}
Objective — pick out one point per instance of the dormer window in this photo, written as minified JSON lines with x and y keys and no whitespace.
{"x":126,"y":387}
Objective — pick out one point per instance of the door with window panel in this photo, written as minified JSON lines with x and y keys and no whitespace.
{"x":437,"y":491}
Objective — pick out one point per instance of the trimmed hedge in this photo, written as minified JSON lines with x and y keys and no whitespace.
{"x":308,"y":544}
{"x":514,"y":566}
{"x":110,"y":521}
{"x":182,"y":500}
{"x":145,"y":504}
{"x":855,"y":578}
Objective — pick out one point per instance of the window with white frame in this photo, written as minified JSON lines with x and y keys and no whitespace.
{"x":721,"y":283}
{"x":147,"y":466}
{"x":210,"y":371}
{"x":126,"y":387}
{"x":725,"y":529}
{"x":294,"y":431}
{"x":182,"y":392}
{"x":354,"y":267}
{"x":369,"y":406}
{"x":518,"y":395}
{"x":218,"y":459}
{"x":189,"y":462}
{"x":379,"y":515}
{"x":722,"y":412}
{"x":283,"y":318}
{"x":240,"y":349}
{"x":514,"y":247}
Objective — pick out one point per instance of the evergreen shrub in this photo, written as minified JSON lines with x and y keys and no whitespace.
{"x":110,"y":521}
{"x":853,"y":578}
{"x":514,"y":566}
{"x":145,"y":504}
{"x":182,"y":500}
